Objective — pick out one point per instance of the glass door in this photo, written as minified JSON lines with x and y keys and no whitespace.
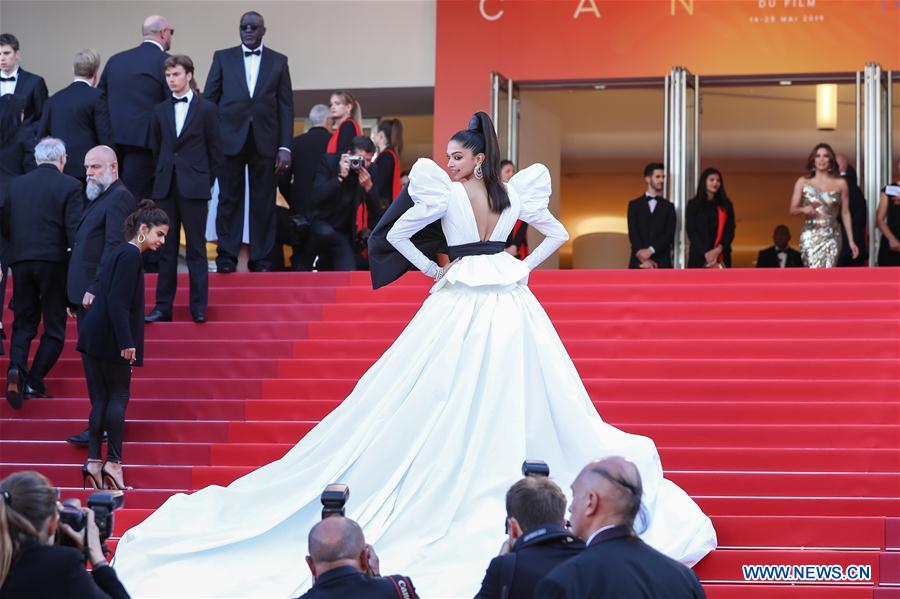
{"x":682,"y":149}
{"x":876,"y":146}
{"x":505,"y":114}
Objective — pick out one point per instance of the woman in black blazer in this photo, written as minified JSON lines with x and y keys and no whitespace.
{"x":389,"y":142}
{"x":710,"y":223}
{"x":30,"y":564}
{"x":111,"y":339}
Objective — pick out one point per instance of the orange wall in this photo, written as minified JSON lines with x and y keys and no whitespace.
{"x":592,"y":39}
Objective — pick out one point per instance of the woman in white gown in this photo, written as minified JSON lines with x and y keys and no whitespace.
{"x":434,"y":433}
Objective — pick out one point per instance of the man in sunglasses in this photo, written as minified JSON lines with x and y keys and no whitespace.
{"x":606,"y":499}
{"x":251,"y":85}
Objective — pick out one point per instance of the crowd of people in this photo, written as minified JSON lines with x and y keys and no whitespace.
{"x":596,"y":553}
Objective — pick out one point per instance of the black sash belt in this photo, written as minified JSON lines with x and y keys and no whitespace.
{"x":479,"y":248}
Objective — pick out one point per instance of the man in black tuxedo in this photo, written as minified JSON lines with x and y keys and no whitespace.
{"x":606,"y":498}
{"x":188,"y":149}
{"x":30,"y":88}
{"x":780,"y":255}
{"x":338,"y":191}
{"x":343,"y":565}
{"x":651,"y":223}
{"x":538,"y":540}
{"x":133,"y":82}
{"x":39,"y":221}
{"x":859,"y":216}
{"x":251,"y":85}
{"x":98,"y":233}
{"x":296,"y":185}
{"x":78,"y":114}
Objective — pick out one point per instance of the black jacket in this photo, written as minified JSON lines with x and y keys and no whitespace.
{"x":115,"y":321}
{"x":270,"y":110}
{"x":335,"y":202}
{"x":618,"y":565}
{"x":524,"y":567}
{"x":859,"y":220}
{"x":99,"y":232}
{"x":306,"y":154}
{"x":55,"y":572}
{"x":32,"y":90}
{"x":133,"y":82}
{"x":768,"y":258}
{"x":41,"y":214}
{"x":702,"y":227}
{"x":194,"y":158}
{"x":656,"y":229}
{"x":347,"y":581}
{"x":78,"y":115}
{"x":16,"y":156}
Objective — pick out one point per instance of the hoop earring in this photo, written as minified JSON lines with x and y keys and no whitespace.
{"x":479,"y":174}
{"x":141,"y":238}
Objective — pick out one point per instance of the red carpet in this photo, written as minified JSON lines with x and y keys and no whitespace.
{"x":774,"y":398}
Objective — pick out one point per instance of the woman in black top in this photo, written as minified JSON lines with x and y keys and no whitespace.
{"x":30,"y":564}
{"x":888,"y":220}
{"x":111,"y":339}
{"x":389,"y":142}
{"x":346,"y":115}
{"x":710,"y":223}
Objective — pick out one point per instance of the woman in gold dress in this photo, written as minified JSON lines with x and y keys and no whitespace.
{"x":821,"y":196}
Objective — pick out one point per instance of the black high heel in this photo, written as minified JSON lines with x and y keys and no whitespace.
{"x":116,"y":485}
{"x":87,"y":474}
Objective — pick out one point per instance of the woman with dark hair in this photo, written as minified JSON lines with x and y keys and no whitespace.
{"x":111,"y":339}
{"x":710,"y":223}
{"x":389,"y":143}
{"x":346,"y":114}
{"x":887,"y":217}
{"x":31,"y":565}
{"x":434,"y":432}
{"x":822,"y":196}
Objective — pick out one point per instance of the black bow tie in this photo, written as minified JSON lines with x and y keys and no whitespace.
{"x":13,"y":78}
{"x":654,"y":198}
{"x":177,"y":100}
{"x":252,"y":52}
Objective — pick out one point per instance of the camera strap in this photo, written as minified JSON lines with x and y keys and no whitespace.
{"x":541,"y":534}
{"x":403,"y":586}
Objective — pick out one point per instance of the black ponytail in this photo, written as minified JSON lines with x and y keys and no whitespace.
{"x":146,"y":214}
{"x":480,"y":137}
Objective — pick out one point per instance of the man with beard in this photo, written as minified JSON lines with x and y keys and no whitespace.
{"x":100,"y":230}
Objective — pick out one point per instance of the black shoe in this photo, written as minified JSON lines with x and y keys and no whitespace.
{"x":2,"y":339}
{"x":225,"y":267}
{"x":157,"y":316}
{"x":31,"y":392}
{"x":14,"y":388}
{"x":82,"y":438}
{"x":199,"y":317}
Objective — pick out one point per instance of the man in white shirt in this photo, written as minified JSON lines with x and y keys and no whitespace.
{"x":15,"y":80}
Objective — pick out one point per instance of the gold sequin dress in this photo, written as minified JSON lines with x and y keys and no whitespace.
{"x":820,"y":239}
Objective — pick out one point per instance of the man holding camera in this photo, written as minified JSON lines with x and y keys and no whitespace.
{"x":538,"y":540}
{"x":342,"y":185}
{"x":343,"y":565}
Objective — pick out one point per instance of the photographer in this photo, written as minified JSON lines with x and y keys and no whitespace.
{"x":343,"y":565}
{"x":30,"y":565}
{"x":343,"y":183}
{"x":538,"y":540}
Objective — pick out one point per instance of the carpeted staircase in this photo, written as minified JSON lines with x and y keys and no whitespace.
{"x":773,"y":396}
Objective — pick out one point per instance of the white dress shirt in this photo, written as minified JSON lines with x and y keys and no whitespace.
{"x":181,"y":110}
{"x":597,"y":532}
{"x":251,"y":67}
{"x":8,"y":87}
{"x":782,"y":256}
{"x":651,"y":201}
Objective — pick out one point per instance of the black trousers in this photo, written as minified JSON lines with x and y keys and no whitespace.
{"x":191,"y":213}
{"x":230,"y":212}
{"x":109,"y":386}
{"x":39,"y":290}
{"x":333,"y":247}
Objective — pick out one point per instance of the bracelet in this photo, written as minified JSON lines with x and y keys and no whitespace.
{"x":439,"y":274}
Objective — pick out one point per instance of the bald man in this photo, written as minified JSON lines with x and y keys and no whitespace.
{"x":98,"y":233}
{"x":606,"y":499}
{"x":133,"y":82}
{"x":343,"y":565}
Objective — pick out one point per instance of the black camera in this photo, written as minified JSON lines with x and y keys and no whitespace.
{"x":535,"y":468}
{"x":357,"y":162}
{"x":334,"y":498}
{"x":103,"y":504}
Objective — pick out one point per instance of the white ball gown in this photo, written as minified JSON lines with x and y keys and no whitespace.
{"x":429,"y":440}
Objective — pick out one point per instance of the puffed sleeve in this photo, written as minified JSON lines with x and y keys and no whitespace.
{"x":532,"y":185}
{"x":429,"y":188}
